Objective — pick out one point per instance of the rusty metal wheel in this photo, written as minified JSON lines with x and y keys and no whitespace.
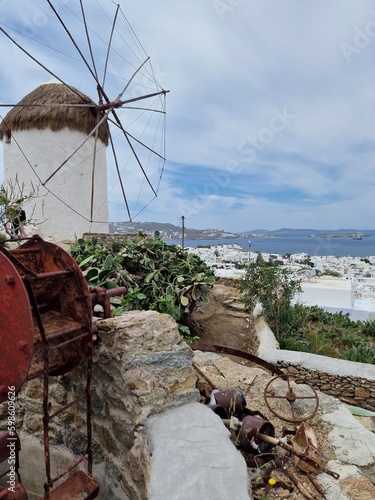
{"x":296,"y":403}
{"x":16,"y":329}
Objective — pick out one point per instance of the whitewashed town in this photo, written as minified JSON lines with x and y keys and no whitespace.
{"x":333,"y":283}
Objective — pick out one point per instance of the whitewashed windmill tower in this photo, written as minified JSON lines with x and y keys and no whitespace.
{"x":47,"y":144}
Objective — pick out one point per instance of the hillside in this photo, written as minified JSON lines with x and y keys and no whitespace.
{"x":171,"y":232}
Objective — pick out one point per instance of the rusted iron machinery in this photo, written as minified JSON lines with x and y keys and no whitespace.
{"x":299,"y":405}
{"x":46,"y":327}
{"x":301,"y":401}
{"x":255,"y":437}
{"x":290,"y":399}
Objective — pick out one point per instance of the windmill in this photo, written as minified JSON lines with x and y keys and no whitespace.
{"x":55,"y":137}
{"x":58,"y":138}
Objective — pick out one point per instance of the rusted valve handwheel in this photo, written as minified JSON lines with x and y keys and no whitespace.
{"x":291,"y":398}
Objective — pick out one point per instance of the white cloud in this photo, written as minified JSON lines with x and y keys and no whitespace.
{"x":229,"y":66}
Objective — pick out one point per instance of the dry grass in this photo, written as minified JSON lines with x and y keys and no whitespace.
{"x":25,"y":116}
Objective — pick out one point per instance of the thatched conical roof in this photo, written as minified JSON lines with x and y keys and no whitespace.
{"x":53,"y":117}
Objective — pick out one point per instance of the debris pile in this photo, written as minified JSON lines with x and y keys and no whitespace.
{"x":284,"y":460}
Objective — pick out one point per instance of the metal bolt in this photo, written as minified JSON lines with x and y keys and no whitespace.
{"x":22,"y":345}
{"x":9,"y":280}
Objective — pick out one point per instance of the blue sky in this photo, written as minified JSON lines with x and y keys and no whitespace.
{"x":271,"y":112}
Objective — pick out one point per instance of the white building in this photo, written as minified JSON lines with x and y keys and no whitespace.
{"x":327,"y":293}
{"x":44,"y":140}
{"x":352,"y":293}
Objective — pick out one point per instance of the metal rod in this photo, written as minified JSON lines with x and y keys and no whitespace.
{"x":302,"y":456}
{"x":200,"y":346}
{"x":297,"y":483}
{"x":68,"y":341}
{"x":88,"y":406}
{"x":109,"y":46}
{"x":22,"y":251}
{"x":314,"y":481}
{"x":202,"y":374}
{"x":69,"y":469}
{"x":64,"y":331}
{"x":73,"y":41}
{"x":53,"y":274}
{"x":62,"y":409}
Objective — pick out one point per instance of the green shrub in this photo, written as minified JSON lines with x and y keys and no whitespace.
{"x":368,"y":328}
{"x":274,"y":287}
{"x":159,"y":276}
{"x":301,"y":328}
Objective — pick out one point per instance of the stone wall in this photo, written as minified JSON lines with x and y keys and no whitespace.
{"x":351,"y":382}
{"x":356,"y":391}
{"x":111,"y":238}
{"x":141,"y":367}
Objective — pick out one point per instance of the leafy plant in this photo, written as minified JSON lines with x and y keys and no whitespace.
{"x":361,"y":353}
{"x":101,"y":266}
{"x":274,"y":287}
{"x":12,"y":195}
{"x":160,"y":277}
{"x":368,"y":328}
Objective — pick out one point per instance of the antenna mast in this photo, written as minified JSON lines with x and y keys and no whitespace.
{"x":183,"y":232}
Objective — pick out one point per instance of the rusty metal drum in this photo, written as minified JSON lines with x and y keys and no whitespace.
{"x":249,"y":439}
{"x":231,"y":399}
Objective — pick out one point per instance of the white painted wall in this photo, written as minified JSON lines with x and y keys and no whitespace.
{"x":44,"y":151}
{"x":327,"y":293}
{"x":354,"y":314}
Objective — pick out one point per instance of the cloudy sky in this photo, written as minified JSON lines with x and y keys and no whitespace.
{"x":271,"y":112}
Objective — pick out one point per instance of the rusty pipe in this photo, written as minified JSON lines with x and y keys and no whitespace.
{"x":302,"y":456}
{"x":101,"y":296}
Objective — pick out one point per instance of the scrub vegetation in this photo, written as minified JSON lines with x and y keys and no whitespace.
{"x":12,"y":195}
{"x":161,"y":277}
{"x":301,"y":328}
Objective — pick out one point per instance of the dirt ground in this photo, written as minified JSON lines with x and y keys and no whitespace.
{"x":224,"y":322}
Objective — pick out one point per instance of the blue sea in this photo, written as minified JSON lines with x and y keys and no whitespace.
{"x":339,"y":247}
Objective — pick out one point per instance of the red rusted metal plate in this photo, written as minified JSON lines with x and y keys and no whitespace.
{"x":305,"y":442}
{"x":77,"y":487}
{"x":76,"y":309}
{"x":6,"y":438}
{"x":16,"y":329}
{"x":17,"y":492}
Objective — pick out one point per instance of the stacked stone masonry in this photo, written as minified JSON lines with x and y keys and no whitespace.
{"x":334,"y":377}
{"x":141,"y":367}
{"x":110,"y":238}
{"x":351,"y":390}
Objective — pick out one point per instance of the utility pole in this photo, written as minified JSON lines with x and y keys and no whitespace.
{"x":249,"y":252}
{"x":183,"y":232}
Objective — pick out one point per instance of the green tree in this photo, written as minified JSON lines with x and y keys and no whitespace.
{"x":259,"y":259}
{"x":274,"y":287}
